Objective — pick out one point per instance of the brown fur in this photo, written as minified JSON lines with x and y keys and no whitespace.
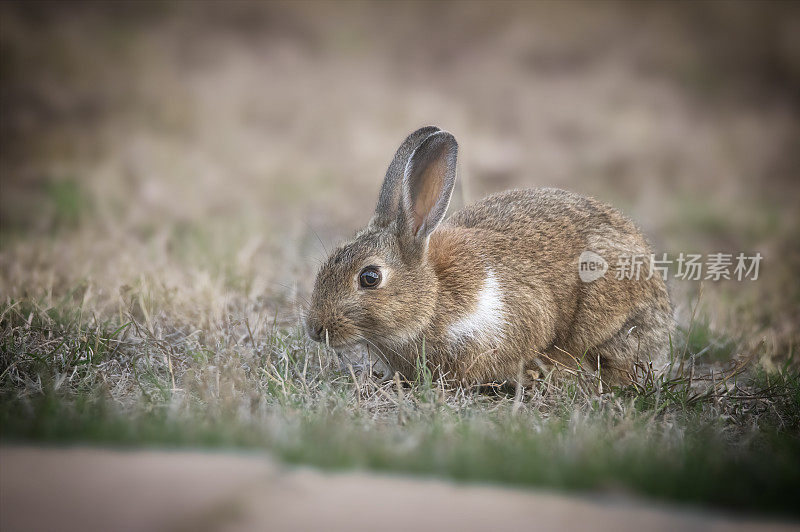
{"x":530,"y":241}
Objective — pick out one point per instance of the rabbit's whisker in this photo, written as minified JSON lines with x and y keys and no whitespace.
{"x":380,"y":352}
{"x":394,"y":351}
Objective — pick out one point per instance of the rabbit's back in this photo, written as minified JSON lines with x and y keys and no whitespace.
{"x":541,"y":210}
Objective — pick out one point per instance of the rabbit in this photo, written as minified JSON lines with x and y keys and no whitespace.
{"x":494,"y":291}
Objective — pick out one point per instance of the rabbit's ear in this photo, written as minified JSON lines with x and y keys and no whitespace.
{"x":428,"y":185}
{"x":389,"y":197}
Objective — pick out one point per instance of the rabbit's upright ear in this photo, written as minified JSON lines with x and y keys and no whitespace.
{"x":428,"y":185}
{"x":389,"y":197}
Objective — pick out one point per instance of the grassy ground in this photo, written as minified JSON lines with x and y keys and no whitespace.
{"x":730,"y":442}
{"x":171,"y":177}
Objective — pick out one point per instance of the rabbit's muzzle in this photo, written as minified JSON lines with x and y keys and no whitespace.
{"x":331,"y":330}
{"x":315,"y":331}
{"x":315,"y":328}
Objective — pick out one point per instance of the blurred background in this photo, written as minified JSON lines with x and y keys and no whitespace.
{"x":175,"y":157}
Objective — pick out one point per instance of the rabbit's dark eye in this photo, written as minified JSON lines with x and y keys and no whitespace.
{"x":370,"y":277}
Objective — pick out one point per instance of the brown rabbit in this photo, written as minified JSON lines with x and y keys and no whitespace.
{"x":494,"y":286}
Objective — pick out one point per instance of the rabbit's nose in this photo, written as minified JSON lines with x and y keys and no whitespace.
{"x":314,"y":330}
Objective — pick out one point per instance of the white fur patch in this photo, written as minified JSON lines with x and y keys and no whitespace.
{"x":487,"y":320}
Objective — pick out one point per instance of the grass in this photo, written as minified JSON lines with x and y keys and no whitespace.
{"x":707,"y":344}
{"x":729,"y":442}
